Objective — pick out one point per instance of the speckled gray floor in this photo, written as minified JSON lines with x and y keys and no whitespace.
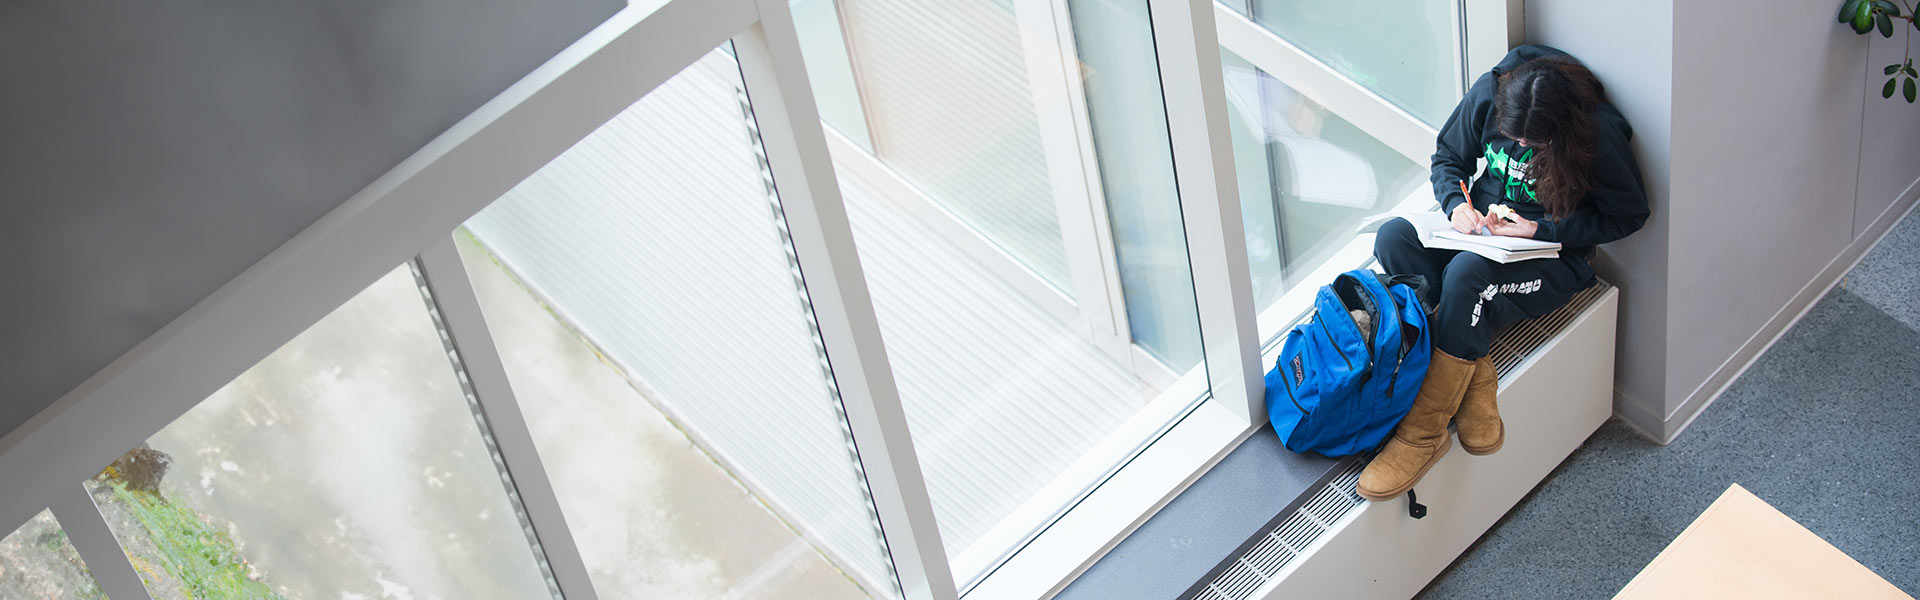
{"x":1889,"y":276}
{"x":1823,"y":427}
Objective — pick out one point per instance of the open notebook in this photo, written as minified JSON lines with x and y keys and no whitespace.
{"x":1436,"y":231}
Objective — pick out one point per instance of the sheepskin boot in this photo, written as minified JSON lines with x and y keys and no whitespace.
{"x":1421,"y":438}
{"x":1478,"y":422}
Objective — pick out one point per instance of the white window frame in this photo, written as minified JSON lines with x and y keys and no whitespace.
{"x":415,"y":205}
{"x":1325,"y":86}
{"x":1053,"y":75}
{"x":1094,"y":306}
{"x":1486,"y":30}
{"x":408,"y":214}
{"x":93,"y":539}
{"x":1188,"y":35}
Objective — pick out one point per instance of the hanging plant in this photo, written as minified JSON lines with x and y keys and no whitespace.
{"x":1865,"y":16}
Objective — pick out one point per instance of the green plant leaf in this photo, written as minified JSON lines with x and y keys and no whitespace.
{"x":1886,"y":24}
{"x":1906,"y":89}
{"x":1848,"y":9}
{"x":1863,"y":18}
{"x":1887,"y":7}
{"x":1887,"y":92}
{"x":1891,"y":69}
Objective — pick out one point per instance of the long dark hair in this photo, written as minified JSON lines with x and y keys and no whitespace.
{"x":1550,"y":101}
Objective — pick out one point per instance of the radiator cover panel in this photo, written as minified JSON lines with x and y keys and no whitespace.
{"x":1556,"y":388}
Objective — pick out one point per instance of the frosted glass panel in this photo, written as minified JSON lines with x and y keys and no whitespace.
{"x":346,"y":464}
{"x":952,"y":110}
{"x":37,"y":561}
{"x":1405,"y":50}
{"x":1307,"y":177}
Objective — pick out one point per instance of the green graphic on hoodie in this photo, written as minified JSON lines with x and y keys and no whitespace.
{"x":1512,"y":172}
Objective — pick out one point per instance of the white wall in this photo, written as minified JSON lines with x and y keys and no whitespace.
{"x":1628,"y":45}
{"x":155,"y":150}
{"x":1889,"y":143}
{"x":1777,"y":192}
{"x":1766,"y":181}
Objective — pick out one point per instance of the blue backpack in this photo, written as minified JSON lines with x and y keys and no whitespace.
{"x":1334,"y":393}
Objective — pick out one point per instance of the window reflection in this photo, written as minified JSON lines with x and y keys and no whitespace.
{"x":1307,"y":177}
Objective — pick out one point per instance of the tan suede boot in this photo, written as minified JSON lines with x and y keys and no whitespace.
{"x":1478,"y":422}
{"x":1421,"y":438}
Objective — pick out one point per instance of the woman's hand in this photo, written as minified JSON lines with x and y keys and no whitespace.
{"x":1520,"y":227}
{"x":1466,"y":219}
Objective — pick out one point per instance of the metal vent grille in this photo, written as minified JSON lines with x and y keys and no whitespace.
{"x":1290,"y":539}
{"x":1519,"y":342}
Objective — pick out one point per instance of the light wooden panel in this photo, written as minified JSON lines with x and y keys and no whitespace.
{"x":1742,"y":547}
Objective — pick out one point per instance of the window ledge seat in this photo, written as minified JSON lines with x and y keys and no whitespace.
{"x":1268,"y":523}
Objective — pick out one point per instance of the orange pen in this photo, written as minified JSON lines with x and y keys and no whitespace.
{"x":1469,"y":195}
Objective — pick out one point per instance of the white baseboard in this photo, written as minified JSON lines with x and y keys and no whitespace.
{"x":1636,"y":416}
{"x":1716,"y":384}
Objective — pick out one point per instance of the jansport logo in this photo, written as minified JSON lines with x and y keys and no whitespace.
{"x":1299,"y":371}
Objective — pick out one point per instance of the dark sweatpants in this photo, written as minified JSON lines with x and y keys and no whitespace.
{"x":1474,"y":298}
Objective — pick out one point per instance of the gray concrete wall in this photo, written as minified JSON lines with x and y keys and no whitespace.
{"x":1628,"y":45}
{"x":153,"y":151}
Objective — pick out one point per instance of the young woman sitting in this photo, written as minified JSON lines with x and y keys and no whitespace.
{"x":1557,"y":156}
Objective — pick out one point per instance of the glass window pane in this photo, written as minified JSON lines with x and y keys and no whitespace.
{"x":37,"y":561}
{"x":1016,"y":409}
{"x":346,"y":464}
{"x":1405,"y":50}
{"x":824,"y":48}
{"x":952,"y":109}
{"x":1307,"y":177}
{"x":1122,"y":87}
{"x":640,"y":290}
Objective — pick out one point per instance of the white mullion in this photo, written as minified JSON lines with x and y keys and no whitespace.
{"x":1463,"y":77}
{"x":1047,"y":44}
{"x":796,"y":147}
{"x":386,"y":223}
{"x":459,"y":308}
{"x":1196,"y":97}
{"x":1492,"y":28}
{"x":1115,"y":333}
{"x":1378,"y":117}
{"x":87,"y":530}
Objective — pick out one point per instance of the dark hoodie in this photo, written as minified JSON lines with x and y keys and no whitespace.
{"x":1616,"y":204}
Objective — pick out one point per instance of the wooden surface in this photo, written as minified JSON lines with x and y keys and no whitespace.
{"x":1741,"y":547}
